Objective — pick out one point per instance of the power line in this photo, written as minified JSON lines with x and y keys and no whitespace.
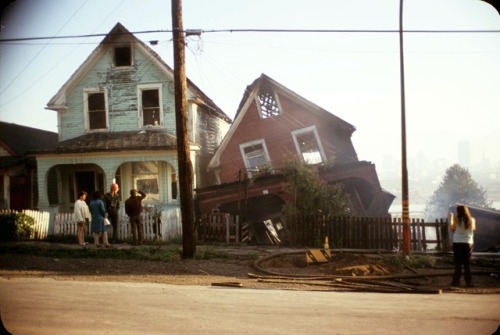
{"x":344,"y":31}
{"x":251,"y":30}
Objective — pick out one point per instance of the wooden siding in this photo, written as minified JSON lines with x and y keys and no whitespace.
{"x":121,"y":85}
{"x":277,"y":132}
{"x":209,"y":134}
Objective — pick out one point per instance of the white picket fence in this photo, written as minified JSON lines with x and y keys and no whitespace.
{"x":170,"y":225}
{"x":41,"y":219}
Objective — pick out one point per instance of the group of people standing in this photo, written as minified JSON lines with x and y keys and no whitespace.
{"x":99,"y":210}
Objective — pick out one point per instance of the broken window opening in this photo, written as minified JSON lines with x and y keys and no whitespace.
{"x":268,"y":104}
{"x":146,"y":179}
{"x":255,"y":156}
{"x":309,"y":147}
{"x":96,"y":111}
{"x":174,"y":186}
{"x":123,"y":56}
{"x":151,"y":107}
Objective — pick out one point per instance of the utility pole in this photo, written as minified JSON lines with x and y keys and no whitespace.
{"x":182,"y":132}
{"x":404,"y":167}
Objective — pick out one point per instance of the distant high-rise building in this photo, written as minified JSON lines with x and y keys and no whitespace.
{"x":464,"y":154}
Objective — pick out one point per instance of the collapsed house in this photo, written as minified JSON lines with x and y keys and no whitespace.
{"x":272,"y":124}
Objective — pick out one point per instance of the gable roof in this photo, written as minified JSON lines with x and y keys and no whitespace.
{"x":19,"y":140}
{"x":58,"y":101}
{"x":249,"y":97}
{"x":114,"y":142}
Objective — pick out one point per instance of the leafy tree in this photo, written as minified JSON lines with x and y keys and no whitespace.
{"x":312,"y":194}
{"x":457,"y":186}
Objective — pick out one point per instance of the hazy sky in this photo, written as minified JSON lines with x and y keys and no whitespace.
{"x":452,"y":79}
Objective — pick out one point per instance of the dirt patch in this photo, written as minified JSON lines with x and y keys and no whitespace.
{"x":280,"y":272}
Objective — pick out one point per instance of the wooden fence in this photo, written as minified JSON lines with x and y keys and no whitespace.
{"x":222,"y":227}
{"x":168,"y":227}
{"x":367,"y":233}
{"x":41,"y":222}
{"x":305,"y":231}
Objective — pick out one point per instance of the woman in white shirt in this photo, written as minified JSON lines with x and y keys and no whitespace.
{"x":82,"y":216}
{"x":463,"y":227}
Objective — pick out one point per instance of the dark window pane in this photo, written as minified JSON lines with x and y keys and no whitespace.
{"x":97,"y":111}
{"x":151,"y":107}
{"x":123,"y":56}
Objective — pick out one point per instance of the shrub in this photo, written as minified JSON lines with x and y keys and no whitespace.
{"x":15,"y":227}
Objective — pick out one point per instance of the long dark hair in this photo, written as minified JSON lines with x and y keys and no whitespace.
{"x":463,"y":214}
{"x":96,"y":195}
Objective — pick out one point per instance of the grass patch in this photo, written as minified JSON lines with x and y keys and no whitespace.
{"x":146,"y":254}
{"x":152,"y":251}
{"x":209,"y":252}
{"x":416,"y":261}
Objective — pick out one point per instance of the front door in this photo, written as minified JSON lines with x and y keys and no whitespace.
{"x":85,"y":181}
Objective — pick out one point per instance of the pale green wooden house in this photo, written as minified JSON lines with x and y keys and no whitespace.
{"x":116,"y":121}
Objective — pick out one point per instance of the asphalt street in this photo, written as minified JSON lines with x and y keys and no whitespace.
{"x":48,"y":306}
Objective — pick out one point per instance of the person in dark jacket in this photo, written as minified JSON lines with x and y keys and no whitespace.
{"x":112,"y":204}
{"x":133,"y":208}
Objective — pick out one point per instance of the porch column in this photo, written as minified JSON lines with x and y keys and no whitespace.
{"x":43,"y":167}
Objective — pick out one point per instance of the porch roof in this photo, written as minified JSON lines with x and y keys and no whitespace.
{"x":113,"y":142}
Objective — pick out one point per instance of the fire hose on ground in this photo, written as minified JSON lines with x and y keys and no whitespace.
{"x":379,"y":283}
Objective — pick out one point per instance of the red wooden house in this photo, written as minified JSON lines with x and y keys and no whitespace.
{"x":272,"y":124}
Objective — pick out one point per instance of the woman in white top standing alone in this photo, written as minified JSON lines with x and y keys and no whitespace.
{"x":463,"y":227}
{"x":82,"y":216}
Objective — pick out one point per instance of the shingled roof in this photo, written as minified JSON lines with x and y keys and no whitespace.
{"x":115,"y":142}
{"x":21,"y":139}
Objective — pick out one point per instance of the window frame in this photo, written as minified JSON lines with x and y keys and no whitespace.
{"x":138,"y":175}
{"x":245,"y":158}
{"x":131,"y":50}
{"x":86,"y":93}
{"x":259,"y":105}
{"x":140,"y":111}
{"x":306,"y":130}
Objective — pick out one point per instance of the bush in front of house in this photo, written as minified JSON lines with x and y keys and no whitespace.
{"x":15,"y":227}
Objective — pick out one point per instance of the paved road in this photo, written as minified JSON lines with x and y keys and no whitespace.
{"x":47,"y":306}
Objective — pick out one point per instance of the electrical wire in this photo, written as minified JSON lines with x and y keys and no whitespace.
{"x":253,"y":30}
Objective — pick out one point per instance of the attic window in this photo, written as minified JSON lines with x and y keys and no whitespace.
{"x":268,"y":104}
{"x":123,"y":56}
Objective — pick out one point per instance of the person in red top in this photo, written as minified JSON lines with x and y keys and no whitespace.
{"x":133,"y":208}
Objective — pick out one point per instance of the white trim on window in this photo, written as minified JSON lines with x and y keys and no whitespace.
{"x":146,"y":87}
{"x":314,"y":158}
{"x":86,"y":93}
{"x":261,"y":158}
{"x":271,"y":107}
{"x":193,"y":108}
